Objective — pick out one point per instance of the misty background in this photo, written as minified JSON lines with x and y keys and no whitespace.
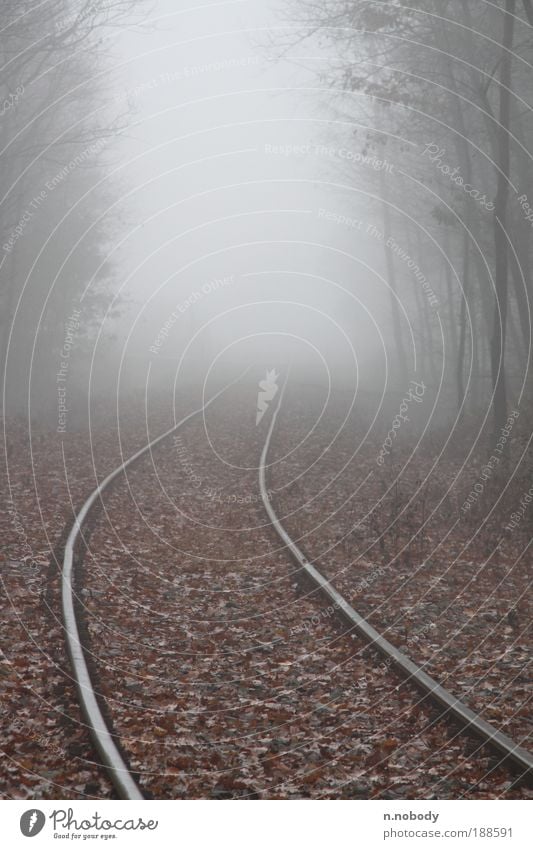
{"x":191,"y":189}
{"x":323,"y":211}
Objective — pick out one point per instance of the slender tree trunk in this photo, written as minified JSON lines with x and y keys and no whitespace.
{"x":422,"y":339}
{"x":463,"y":153}
{"x":392,"y":281}
{"x":522,"y":338}
{"x":520,"y":265}
{"x":462,"y":320}
{"x":430,"y":350}
{"x":452,"y":318}
{"x":479,"y":339}
{"x":497,"y":347}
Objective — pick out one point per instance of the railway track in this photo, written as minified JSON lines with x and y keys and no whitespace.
{"x":412,"y":673}
{"x":104,"y":739}
{"x":101,"y":735}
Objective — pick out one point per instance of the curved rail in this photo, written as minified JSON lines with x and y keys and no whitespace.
{"x":102,"y":737}
{"x":472,"y":723}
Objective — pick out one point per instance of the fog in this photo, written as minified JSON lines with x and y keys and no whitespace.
{"x":240,"y":182}
{"x":238,"y":246}
{"x":265,"y":337}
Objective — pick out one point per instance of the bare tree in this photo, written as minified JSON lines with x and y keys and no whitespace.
{"x":431,"y":67}
{"x":54,"y":127}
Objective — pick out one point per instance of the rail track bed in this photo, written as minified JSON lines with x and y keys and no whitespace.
{"x":224,"y":675}
{"x":451,"y":590}
{"x":46,"y":749}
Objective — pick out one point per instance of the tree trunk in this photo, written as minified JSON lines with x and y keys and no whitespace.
{"x":452,"y":318}
{"x":401,"y":358}
{"x":463,"y":153}
{"x":497,"y":347}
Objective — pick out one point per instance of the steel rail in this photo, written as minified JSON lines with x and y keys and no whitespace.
{"x":101,"y":735}
{"x":470,"y":721}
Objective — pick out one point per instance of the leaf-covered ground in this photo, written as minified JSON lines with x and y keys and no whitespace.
{"x":45,"y":751}
{"x":241,"y":681}
{"x":224,"y":675}
{"x":451,"y":587}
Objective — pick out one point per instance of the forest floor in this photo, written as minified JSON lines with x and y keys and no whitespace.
{"x":241,"y":682}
